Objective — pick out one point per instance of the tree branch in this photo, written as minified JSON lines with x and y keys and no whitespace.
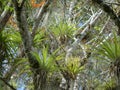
{"x":23,"y":1}
{"x":15,"y":3}
{"x":5,"y":16}
{"x":7,"y":84}
{"x":25,"y":35}
{"x":110,"y":12}
{"x":113,"y":3}
{"x":39,"y":16}
{"x":81,"y":35}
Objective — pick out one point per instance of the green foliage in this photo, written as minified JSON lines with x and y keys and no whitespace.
{"x":22,"y":63}
{"x":3,"y":5}
{"x":2,"y":2}
{"x":73,"y":67}
{"x":40,"y":38}
{"x":9,"y":42}
{"x":63,"y":29}
{"x":110,"y":48}
{"x":97,"y":28}
{"x":46,"y":61}
{"x":109,"y":85}
{"x":60,"y":33}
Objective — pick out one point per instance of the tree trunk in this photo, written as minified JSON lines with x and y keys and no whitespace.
{"x":39,"y":80}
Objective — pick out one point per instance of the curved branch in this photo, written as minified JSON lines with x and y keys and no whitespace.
{"x":12,"y":88}
{"x":5,"y":16}
{"x":110,"y":12}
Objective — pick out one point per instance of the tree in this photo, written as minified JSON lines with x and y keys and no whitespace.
{"x":59,"y":44}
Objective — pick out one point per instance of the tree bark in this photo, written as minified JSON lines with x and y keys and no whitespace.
{"x":12,"y":88}
{"x":5,"y":16}
{"x":39,"y":76}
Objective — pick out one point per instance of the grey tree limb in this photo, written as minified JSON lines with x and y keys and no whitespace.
{"x":5,"y":16}
{"x":110,"y":12}
{"x":25,"y":34}
{"x":11,"y":87}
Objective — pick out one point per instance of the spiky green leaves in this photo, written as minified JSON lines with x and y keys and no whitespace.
{"x":110,"y":48}
{"x":73,"y":67}
{"x":46,"y":60}
{"x":63,"y":31}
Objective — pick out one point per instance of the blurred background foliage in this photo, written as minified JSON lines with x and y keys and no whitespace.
{"x":69,"y":43}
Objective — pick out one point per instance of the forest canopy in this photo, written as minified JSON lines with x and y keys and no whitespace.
{"x":59,"y":45}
